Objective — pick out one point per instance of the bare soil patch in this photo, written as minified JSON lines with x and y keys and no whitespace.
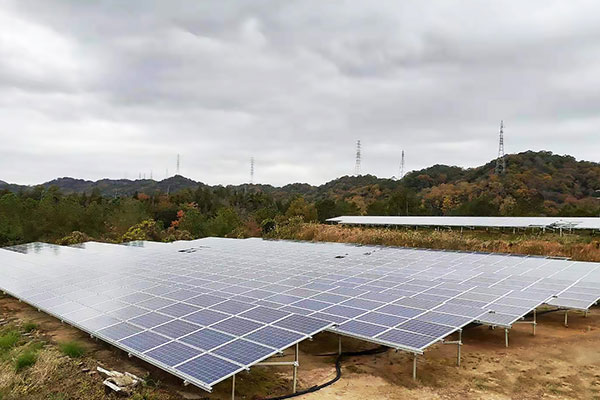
{"x":557,"y":363}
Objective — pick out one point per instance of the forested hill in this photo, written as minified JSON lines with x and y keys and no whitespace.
{"x":536,"y":183}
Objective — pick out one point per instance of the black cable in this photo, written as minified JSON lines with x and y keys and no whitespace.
{"x":338,"y":371}
{"x":338,"y":365}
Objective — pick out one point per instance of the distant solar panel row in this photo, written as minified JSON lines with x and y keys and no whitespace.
{"x":207,"y":309}
{"x":592,"y":223}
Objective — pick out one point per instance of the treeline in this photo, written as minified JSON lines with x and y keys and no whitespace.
{"x":535,"y":184}
{"x":46,"y":214}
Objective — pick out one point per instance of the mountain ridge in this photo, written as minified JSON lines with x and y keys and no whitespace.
{"x":541,"y":176}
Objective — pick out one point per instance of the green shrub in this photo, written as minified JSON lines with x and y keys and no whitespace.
{"x":8,"y":340}
{"x":75,"y":237}
{"x":72,"y":349}
{"x":25,"y":360}
{"x":145,"y":230}
{"x":29,"y":327}
{"x":268,"y":225}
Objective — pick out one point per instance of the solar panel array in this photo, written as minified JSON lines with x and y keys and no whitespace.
{"x":209,"y":308}
{"x":176,"y":322}
{"x":592,"y":223}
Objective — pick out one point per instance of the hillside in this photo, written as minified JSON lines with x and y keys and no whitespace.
{"x":536,"y":183}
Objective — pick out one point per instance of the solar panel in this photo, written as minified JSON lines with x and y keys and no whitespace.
{"x":426,"y":328}
{"x":361,"y":328}
{"x":236,"y":302}
{"x":244,"y":352}
{"x":406,"y":339}
{"x":173,"y":353}
{"x":275,"y":337}
{"x":488,"y":222}
{"x":237,"y":326}
{"x":150,"y":320}
{"x":208,"y":368}
{"x":303,"y":324}
{"x":176,"y":328}
{"x":207,"y":339}
{"x":264,"y":314}
{"x":144,"y":341}
{"x":119,"y":331}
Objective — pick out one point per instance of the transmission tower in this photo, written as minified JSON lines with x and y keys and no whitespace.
{"x":501,"y":160}
{"x":357,"y":165}
{"x":178,"y":163}
{"x":251,"y":170}
{"x":401,"y":174}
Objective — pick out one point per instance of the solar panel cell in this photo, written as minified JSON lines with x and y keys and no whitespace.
{"x":208,"y":368}
{"x":361,"y":328}
{"x":264,"y":314}
{"x":237,"y":326}
{"x":275,"y":337}
{"x":343,"y":311}
{"x":232,"y":307}
{"x":173,"y":353}
{"x":382,"y":319}
{"x":302,"y":324}
{"x":119,"y":331}
{"x":426,"y":328}
{"x":178,"y":310}
{"x":207,"y":339}
{"x":176,"y":328}
{"x":406,"y":339}
{"x":400,"y":311}
{"x":144,"y":341}
{"x":244,"y":352}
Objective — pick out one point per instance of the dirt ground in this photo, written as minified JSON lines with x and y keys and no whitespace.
{"x":557,"y":363}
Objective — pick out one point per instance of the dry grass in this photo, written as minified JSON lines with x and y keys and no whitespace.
{"x":578,"y":247}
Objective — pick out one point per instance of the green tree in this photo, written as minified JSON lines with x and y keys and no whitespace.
{"x":194,"y":222}
{"x":300,"y":208}
{"x":225,"y":222}
{"x":325,"y":209}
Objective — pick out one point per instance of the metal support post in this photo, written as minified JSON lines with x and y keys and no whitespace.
{"x":415,"y":368}
{"x":233,"y":387}
{"x":566,"y":318}
{"x":506,"y":337}
{"x":339,"y":345}
{"x":458,"y":348}
{"x":585,"y":313}
{"x":295,"y":375}
{"x":534,"y":320}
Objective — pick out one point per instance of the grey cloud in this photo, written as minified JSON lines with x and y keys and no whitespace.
{"x":95,"y":89}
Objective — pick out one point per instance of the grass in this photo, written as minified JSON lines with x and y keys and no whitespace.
{"x":143,"y":396}
{"x":29,"y":327}
{"x":72,"y":349}
{"x":25,"y":360}
{"x":581,"y":247}
{"x":8,"y":340}
{"x":56,"y":396}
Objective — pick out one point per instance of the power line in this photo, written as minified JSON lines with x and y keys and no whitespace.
{"x":501,"y":160}
{"x":401,"y":174}
{"x":357,"y":165}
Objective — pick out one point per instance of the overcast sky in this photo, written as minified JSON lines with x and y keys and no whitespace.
{"x":118,"y":88}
